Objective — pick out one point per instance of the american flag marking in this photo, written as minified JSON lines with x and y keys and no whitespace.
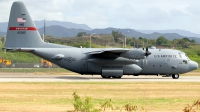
{"x":21,"y":20}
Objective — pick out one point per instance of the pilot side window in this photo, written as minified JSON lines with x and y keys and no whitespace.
{"x":185,"y":61}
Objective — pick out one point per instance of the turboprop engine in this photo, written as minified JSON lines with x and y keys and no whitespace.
{"x":136,"y":54}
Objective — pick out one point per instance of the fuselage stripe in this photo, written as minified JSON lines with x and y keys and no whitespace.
{"x":22,"y":28}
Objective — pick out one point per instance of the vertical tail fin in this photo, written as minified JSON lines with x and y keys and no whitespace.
{"x":21,"y":32}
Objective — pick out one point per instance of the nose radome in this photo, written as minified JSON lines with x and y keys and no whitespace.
{"x":193,"y":65}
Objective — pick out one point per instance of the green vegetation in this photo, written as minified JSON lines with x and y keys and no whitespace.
{"x":20,"y":57}
{"x":87,"y":105}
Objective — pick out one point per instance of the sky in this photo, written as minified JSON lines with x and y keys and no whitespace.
{"x":134,"y":14}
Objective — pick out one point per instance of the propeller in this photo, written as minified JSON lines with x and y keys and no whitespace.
{"x":147,"y":53}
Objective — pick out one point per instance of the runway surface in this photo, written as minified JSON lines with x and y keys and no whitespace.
{"x":23,"y":77}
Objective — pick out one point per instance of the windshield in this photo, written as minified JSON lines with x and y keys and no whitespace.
{"x":183,"y":56}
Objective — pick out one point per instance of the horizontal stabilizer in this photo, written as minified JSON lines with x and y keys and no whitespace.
{"x":20,"y":49}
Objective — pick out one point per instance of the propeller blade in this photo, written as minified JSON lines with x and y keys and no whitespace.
{"x":146,"y":61}
{"x":143,"y":44}
{"x":147,"y":53}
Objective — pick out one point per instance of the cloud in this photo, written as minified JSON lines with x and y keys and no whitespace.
{"x":135,"y":14}
{"x":194,"y":9}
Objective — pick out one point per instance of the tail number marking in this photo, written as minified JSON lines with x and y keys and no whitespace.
{"x":21,"y":32}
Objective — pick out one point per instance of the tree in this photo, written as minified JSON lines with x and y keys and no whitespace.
{"x":80,"y":34}
{"x":186,"y":39}
{"x":151,"y":42}
{"x":193,"y":41}
{"x":3,"y":39}
{"x":131,"y":41}
{"x":162,"y":41}
{"x":117,"y":35}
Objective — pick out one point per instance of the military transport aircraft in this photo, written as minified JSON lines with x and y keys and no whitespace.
{"x":22,"y":35}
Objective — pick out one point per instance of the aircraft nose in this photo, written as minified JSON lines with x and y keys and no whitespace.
{"x":193,"y":65}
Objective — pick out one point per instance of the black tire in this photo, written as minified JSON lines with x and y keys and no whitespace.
{"x":117,"y":77}
{"x":175,"y":76}
{"x":107,"y":77}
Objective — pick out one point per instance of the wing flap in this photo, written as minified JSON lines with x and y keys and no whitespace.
{"x":108,"y":50}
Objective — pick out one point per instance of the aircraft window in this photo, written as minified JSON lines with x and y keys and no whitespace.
{"x":185,"y":61}
{"x":184,"y":56}
{"x":180,"y":55}
{"x":187,"y":57}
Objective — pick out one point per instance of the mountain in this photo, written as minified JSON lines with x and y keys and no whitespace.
{"x":180,"y":32}
{"x":60,"y":31}
{"x":3,"y":26}
{"x":2,"y":33}
{"x":39,"y":24}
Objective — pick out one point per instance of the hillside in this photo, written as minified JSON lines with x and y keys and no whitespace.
{"x":180,"y":32}
{"x":59,"y":32}
{"x":2,"y":33}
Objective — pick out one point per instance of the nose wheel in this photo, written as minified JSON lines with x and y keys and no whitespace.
{"x":175,"y":76}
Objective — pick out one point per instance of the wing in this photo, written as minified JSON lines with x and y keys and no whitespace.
{"x":111,"y":52}
{"x":119,"y":52}
{"x":108,"y":50}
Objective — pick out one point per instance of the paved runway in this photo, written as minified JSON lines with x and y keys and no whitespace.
{"x":23,"y":77}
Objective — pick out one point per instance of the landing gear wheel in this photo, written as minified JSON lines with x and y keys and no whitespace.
{"x":107,"y":77}
{"x":175,"y":76}
{"x":117,"y":77}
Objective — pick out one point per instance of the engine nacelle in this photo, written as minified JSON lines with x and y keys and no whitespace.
{"x":135,"y":54}
{"x":119,"y":71}
{"x":131,"y":69}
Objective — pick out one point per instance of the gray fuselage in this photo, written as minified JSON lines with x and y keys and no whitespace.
{"x":161,"y":61}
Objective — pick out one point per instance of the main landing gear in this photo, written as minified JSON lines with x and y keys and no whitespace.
{"x":175,"y":76}
{"x":115,"y":77}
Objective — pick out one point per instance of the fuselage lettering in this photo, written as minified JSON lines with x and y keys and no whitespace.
{"x":21,"y":32}
{"x":165,"y":56}
{"x":21,"y":24}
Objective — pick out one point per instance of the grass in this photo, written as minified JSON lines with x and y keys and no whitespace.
{"x":159,"y":96}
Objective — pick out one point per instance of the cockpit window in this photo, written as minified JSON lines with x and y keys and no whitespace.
{"x":180,"y":55}
{"x":185,"y":61}
{"x":184,"y":56}
{"x":187,"y":57}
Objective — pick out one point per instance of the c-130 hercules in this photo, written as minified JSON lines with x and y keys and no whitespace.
{"x":22,"y":35}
